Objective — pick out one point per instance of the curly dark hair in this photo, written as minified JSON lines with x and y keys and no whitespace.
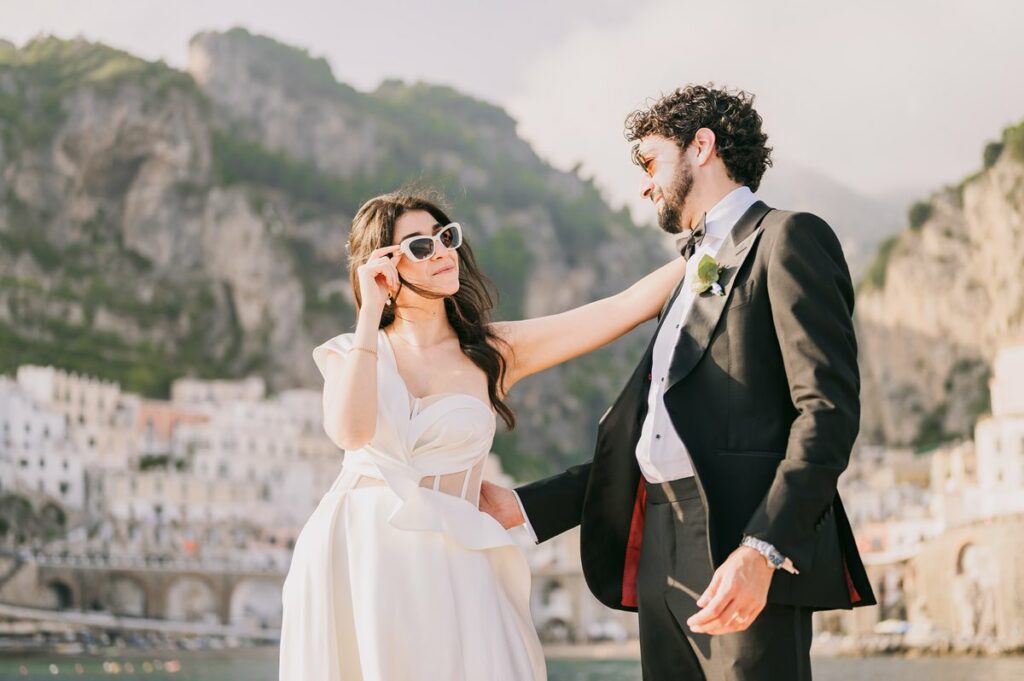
{"x":739,"y":140}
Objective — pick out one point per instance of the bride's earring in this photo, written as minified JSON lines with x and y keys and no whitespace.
{"x":388,"y":301}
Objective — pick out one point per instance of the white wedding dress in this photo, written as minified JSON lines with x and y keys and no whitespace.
{"x":397,"y":576}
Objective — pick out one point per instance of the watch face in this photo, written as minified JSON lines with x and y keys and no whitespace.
{"x":775,"y":560}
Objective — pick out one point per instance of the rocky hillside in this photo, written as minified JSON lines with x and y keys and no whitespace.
{"x":938,"y":300}
{"x":156,"y":223}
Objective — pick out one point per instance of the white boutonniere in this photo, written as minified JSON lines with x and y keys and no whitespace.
{"x":708,"y":272}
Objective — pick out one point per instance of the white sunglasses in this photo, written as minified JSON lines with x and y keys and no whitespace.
{"x":421,"y":247}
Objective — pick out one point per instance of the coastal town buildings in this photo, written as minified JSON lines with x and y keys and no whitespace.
{"x":223,"y":473}
{"x":942,"y":531}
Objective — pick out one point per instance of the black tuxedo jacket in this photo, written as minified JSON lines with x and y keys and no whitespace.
{"x":763,"y":390}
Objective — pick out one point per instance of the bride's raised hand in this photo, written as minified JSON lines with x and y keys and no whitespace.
{"x":378,"y":278}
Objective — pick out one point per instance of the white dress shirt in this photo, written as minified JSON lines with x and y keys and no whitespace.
{"x":659,"y":451}
{"x":661,"y":454}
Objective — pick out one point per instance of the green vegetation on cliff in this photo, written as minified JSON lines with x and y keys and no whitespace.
{"x":874,"y":276}
{"x":76,"y":295}
{"x":39,"y":75}
{"x":1013,"y":141}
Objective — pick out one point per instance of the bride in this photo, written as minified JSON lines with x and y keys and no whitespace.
{"x":397,"y":576}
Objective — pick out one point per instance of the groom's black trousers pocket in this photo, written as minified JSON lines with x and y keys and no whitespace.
{"x":675,"y":568}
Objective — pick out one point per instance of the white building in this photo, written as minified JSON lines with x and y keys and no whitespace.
{"x":315,"y":451}
{"x":1007,"y":384}
{"x":954,"y":495}
{"x":999,"y":439}
{"x":885,"y":484}
{"x":171,"y":497}
{"x":36,"y":454}
{"x":198,"y":391}
{"x":277,"y":445}
{"x":101,"y":420}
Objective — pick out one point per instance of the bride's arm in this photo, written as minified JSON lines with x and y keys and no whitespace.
{"x":350,"y":389}
{"x":536,"y":344}
{"x":350,"y":380}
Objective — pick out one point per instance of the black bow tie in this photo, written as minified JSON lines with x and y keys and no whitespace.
{"x":688,"y":240}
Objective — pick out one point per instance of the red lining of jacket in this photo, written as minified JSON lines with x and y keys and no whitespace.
{"x":633,"y":546}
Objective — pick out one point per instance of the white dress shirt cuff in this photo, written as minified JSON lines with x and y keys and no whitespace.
{"x":526,"y":520}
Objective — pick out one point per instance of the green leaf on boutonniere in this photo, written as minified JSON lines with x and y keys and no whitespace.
{"x":707,"y":269}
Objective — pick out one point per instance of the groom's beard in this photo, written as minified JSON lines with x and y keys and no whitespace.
{"x":674,"y":199}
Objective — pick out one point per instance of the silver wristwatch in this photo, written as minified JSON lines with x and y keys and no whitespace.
{"x":775,"y":559}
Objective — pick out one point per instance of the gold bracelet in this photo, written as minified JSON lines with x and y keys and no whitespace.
{"x":372,"y":352}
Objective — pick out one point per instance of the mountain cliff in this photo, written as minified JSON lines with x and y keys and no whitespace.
{"x":939,"y":299}
{"x":156,"y":223}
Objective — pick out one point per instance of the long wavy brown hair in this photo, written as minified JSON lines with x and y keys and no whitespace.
{"x":468,"y":310}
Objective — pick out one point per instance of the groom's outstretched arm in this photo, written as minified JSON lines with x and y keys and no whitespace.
{"x":812,"y":308}
{"x":555,"y":504}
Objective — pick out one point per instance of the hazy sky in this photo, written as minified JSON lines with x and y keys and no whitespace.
{"x":882,"y":96}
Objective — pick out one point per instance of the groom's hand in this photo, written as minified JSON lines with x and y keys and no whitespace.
{"x":736,"y":596}
{"x":501,"y":504}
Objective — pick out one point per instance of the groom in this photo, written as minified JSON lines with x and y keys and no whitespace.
{"x":710,"y":505}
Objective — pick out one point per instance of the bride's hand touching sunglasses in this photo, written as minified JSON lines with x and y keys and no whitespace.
{"x":421,"y":247}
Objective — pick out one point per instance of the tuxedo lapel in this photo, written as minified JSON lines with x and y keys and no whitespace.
{"x":707,"y":308}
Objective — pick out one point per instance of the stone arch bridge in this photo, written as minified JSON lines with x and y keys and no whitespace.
{"x":210,"y":592}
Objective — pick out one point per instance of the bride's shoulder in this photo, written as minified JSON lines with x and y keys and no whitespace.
{"x":341,"y":344}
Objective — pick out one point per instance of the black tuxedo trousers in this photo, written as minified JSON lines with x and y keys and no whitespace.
{"x":674,"y":570}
